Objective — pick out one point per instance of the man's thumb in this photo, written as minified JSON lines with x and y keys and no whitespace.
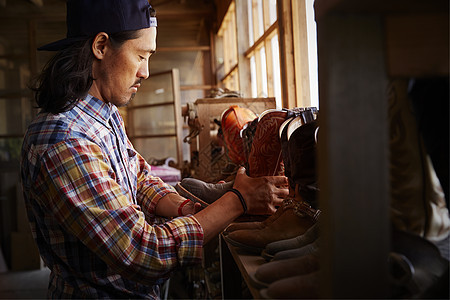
{"x":241,"y":170}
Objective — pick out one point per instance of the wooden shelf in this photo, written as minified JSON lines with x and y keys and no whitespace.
{"x":233,"y":260}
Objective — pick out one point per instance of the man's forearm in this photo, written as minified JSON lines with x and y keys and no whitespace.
{"x":169,"y":204}
{"x":219,"y":215}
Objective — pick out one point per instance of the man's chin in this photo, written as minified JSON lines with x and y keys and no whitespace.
{"x":127,"y":102}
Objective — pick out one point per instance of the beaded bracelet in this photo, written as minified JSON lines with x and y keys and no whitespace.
{"x":180,"y":208}
{"x":241,"y":198}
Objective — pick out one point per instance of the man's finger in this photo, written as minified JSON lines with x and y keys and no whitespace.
{"x":278,"y":180}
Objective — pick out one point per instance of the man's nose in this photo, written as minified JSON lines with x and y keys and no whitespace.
{"x":143,"y":71}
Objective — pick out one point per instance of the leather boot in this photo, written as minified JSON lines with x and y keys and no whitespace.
{"x":276,"y":270}
{"x":207,"y":192}
{"x":294,"y":243}
{"x":297,"y":287}
{"x":295,"y":220}
{"x":302,"y":157}
{"x":232,"y":122}
{"x":285,"y":150}
{"x":248,"y":133}
{"x":260,"y":224}
{"x":265,"y":155}
{"x":312,"y":248}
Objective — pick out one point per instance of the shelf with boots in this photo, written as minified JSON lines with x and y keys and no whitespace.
{"x":243,"y":243}
{"x":290,"y":233}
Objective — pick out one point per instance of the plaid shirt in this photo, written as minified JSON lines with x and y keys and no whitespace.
{"x":91,"y":204}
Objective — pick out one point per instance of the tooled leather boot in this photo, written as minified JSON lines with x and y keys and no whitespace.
{"x":295,"y":220}
{"x":300,"y":115}
{"x":265,"y":157}
{"x":233,"y":121}
{"x":291,"y":114}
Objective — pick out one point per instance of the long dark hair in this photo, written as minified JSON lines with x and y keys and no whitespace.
{"x":67,"y":76}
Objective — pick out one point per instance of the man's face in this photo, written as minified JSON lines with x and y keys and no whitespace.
{"x":117,"y":75}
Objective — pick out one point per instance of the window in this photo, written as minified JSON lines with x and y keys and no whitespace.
{"x":227,"y":33}
{"x":262,"y":54}
{"x":263,"y":49}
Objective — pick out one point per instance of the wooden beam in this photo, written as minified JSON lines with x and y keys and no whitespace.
{"x":300,"y":36}
{"x":353,"y":158}
{"x":286,"y":53}
{"x":242,"y":32}
{"x":183,"y":48}
{"x":196,"y":87}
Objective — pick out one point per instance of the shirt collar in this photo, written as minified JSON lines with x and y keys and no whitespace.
{"x":97,"y":109}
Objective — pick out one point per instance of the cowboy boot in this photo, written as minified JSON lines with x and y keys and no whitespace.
{"x":295,"y":220}
{"x":233,"y":121}
{"x":299,"y":116}
{"x":247,"y":134}
{"x":285,"y":156}
{"x":285,"y":150}
{"x":265,"y":155}
{"x":296,"y":287}
{"x":294,"y":243}
{"x":276,"y":270}
{"x":302,"y":157}
{"x":197,"y":189}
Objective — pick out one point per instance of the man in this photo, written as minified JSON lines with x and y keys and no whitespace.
{"x":91,"y":203}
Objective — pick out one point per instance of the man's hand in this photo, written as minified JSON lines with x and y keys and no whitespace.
{"x":261,"y":194}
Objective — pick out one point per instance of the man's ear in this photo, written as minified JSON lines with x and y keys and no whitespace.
{"x":100,"y":44}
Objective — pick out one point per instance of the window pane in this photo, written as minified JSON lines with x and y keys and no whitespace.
{"x":253,"y":77}
{"x":156,"y":148}
{"x":312,"y":53}
{"x":263,"y":92}
{"x":251,"y":38}
{"x":158,"y":89}
{"x":154,"y":120}
{"x":272,"y":11}
{"x":276,"y":70}
{"x":260,"y":18}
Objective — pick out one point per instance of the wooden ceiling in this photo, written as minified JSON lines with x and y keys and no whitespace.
{"x":27,"y":24}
